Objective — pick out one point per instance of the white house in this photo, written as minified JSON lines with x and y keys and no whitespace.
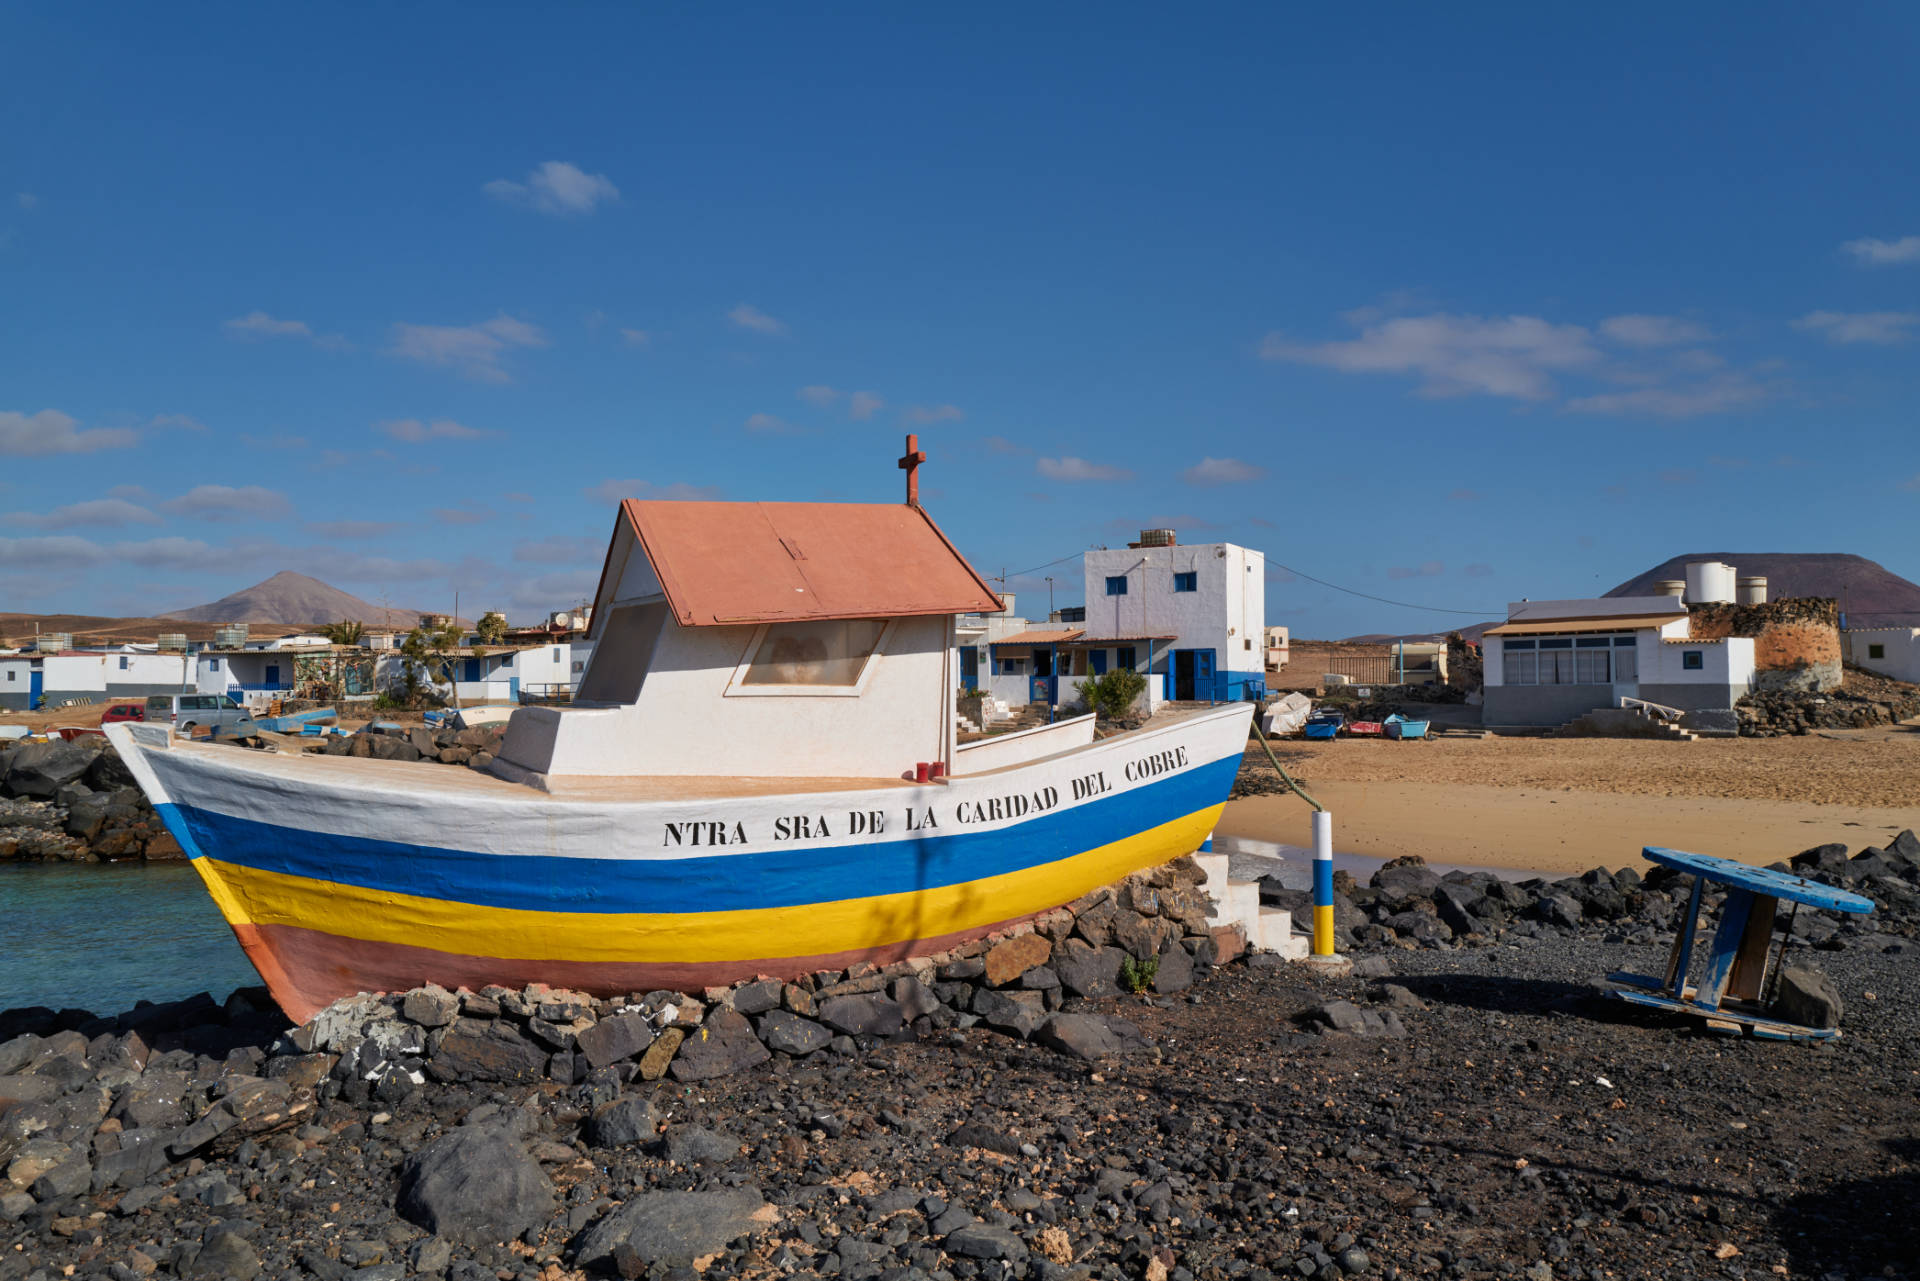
{"x":1554,"y":661}
{"x":33,"y":680}
{"x":502,"y":675}
{"x":778,"y":639}
{"x":1201,"y":609}
{"x":1279,"y":647}
{"x":1889,"y":651}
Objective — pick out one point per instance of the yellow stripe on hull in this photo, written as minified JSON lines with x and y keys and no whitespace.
{"x":247,"y":896}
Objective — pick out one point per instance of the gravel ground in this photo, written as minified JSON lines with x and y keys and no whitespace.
{"x":1521,"y":1127}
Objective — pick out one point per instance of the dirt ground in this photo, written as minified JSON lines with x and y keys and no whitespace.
{"x":1565,"y":805}
{"x":1876,"y":767}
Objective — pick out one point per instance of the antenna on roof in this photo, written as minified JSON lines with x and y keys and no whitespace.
{"x":910,"y":464}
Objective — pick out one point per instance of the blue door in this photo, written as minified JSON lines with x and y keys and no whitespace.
{"x":1203,"y":674}
{"x":513,"y":688}
{"x":1040,"y":689}
{"x":473,"y":670}
{"x":36,"y":683}
{"x":273,"y":676}
{"x":969,"y":668}
{"x":1097,"y":661}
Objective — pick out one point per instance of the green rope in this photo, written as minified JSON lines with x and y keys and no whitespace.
{"x":1285,"y":777}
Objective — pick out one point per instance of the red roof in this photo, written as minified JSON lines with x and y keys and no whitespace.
{"x":730,"y":563}
{"x":1040,"y":636}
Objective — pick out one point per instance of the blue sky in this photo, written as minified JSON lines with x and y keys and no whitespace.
{"x":1445,"y":306}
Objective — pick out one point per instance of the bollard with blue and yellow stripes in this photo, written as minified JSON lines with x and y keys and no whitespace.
{"x":1322,"y":883}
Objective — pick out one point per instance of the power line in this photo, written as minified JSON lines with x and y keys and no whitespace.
{"x":1004,"y":575}
{"x":1477,"y":613}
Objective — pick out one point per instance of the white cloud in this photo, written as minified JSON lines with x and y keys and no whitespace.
{"x":229,"y":502}
{"x":556,"y":187}
{"x":183,"y":553}
{"x":474,"y":350}
{"x":925,"y":414}
{"x":1478,"y":569}
{"x":66,"y":551}
{"x":1070,"y":468}
{"x":258,"y":324}
{"x":1512,"y":356}
{"x":862,"y":405}
{"x":555,"y":591}
{"x":414,"y":432}
{"x":748,"y":316}
{"x":106,"y":513}
{"x":1001,"y":445}
{"x":636,"y":337}
{"x":818,"y":395}
{"x":1222,"y":471}
{"x":769,"y":423}
{"x":1715,"y":396}
{"x":27,"y":200}
{"x":63,"y":551}
{"x":52,"y":432}
{"x":463,"y":515}
{"x":609,"y":492}
{"x":1426,"y":569}
{"x":1881,"y":327}
{"x":1884,"y":253}
{"x":1653,"y":331}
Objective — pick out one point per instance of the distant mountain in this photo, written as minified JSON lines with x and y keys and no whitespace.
{"x":1869,"y":594}
{"x":295,"y":599}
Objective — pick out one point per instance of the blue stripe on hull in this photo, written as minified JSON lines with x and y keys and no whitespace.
{"x":718,"y":883}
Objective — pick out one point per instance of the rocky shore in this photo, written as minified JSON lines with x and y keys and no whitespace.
{"x":1462,"y":1105}
{"x":76,"y":802}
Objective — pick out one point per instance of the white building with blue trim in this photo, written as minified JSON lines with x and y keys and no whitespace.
{"x":1192,"y":619}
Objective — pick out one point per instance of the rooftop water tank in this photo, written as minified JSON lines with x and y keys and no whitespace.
{"x":1753,"y":590}
{"x":1675,"y":587}
{"x":1709,"y":583}
{"x":1156,"y":538}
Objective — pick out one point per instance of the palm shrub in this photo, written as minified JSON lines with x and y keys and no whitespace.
{"x":1112,"y":695}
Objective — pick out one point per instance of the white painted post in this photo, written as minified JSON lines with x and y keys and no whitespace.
{"x":1322,"y":883}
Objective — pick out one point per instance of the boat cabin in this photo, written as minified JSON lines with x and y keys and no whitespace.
{"x":785,"y":640}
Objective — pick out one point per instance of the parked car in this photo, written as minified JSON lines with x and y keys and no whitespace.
{"x":124,"y":712}
{"x":186,"y":711}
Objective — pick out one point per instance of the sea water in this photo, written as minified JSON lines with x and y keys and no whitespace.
{"x":100,"y":936}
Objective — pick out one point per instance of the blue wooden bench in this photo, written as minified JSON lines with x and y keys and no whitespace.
{"x":1742,"y":965}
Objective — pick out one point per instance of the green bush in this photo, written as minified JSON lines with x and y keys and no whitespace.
{"x":1112,"y":695}
{"x":1137,"y":976}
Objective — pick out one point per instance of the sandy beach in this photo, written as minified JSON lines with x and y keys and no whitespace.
{"x":1565,"y":805}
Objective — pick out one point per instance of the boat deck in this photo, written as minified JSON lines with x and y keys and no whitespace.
{"x":309,"y":768}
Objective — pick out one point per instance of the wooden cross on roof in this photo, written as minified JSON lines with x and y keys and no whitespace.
{"x":910,"y":464}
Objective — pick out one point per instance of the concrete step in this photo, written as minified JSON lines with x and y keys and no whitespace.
{"x":1276,"y":934}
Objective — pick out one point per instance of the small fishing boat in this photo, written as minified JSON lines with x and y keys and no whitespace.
{"x":1324,"y":724}
{"x":1399,"y":726}
{"x":759,"y":775}
{"x":1371,"y":728}
{"x":298,"y":722}
{"x":71,"y":732}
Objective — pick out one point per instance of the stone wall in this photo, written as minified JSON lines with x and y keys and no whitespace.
{"x":1796,"y":642}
